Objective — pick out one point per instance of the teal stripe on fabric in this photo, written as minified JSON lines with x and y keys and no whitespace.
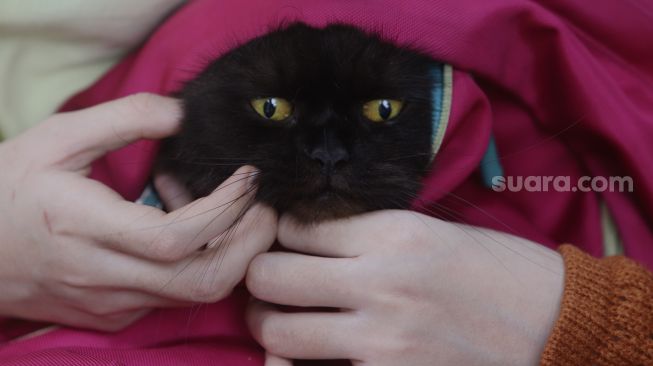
{"x":150,"y":197}
{"x":490,"y":164}
{"x":437,"y":96}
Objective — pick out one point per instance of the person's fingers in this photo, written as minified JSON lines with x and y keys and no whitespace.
{"x":80,"y":137}
{"x":188,"y":228}
{"x":151,"y":233}
{"x":115,"y":322}
{"x":306,"y":238}
{"x":301,"y":280}
{"x":272,"y":360}
{"x":79,"y":319}
{"x":173,"y":194}
{"x":303,"y":335}
{"x":205,"y":276}
{"x":353,"y":236}
{"x":254,"y":234}
{"x":108,"y":302}
{"x":212,"y":274}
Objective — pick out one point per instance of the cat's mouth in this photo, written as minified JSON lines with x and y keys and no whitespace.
{"x":327,"y":204}
{"x":324,"y":197}
{"x":327,"y":195}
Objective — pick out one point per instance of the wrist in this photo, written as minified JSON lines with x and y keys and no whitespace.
{"x":527,"y":294}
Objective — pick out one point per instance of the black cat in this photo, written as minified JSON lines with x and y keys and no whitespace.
{"x":338,"y":122}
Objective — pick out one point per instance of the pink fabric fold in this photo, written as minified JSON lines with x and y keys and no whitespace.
{"x":564,"y":86}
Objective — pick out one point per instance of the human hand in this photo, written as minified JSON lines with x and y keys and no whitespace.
{"x":73,"y":251}
{"x":411,"y":289}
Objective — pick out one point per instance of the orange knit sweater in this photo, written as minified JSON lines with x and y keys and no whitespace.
{"x":606,"y":316}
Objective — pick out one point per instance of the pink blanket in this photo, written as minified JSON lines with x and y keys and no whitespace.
{"x":564,"y":86}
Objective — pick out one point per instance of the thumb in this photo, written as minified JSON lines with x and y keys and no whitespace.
{"x":173,"y":194}
{"x":80,"y":137}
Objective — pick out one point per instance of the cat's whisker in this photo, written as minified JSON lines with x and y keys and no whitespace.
{"x":485,"y":213}
{"x":513,"y":232}
{"x":180,"y":216}
{"x":221,"y":213}
{"x":219,"y":246}
{"x":479,"y":242}
{"x":241,"y":214}
{"x":428,"y":208}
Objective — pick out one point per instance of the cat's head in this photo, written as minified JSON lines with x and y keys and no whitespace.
{"x":337,"y":121}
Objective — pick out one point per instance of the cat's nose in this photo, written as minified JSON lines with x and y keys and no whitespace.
{"x":328,"y":150}
{"x":329,"y":158}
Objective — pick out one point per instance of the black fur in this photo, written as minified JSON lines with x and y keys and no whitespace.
{"x":328,"y":74}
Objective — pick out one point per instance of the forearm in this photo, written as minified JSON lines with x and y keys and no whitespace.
{"x":607,"y":313}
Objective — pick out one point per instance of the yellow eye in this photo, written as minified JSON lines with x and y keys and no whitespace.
{"x":276,"y":109}
{"x":381,"y":110}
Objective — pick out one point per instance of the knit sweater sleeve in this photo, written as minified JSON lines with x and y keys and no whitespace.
{"x":606,"y":317}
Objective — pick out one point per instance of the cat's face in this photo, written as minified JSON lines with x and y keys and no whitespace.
{"x":337,"y":122}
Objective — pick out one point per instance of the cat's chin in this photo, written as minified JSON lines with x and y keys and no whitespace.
{"x":324,"y":208}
